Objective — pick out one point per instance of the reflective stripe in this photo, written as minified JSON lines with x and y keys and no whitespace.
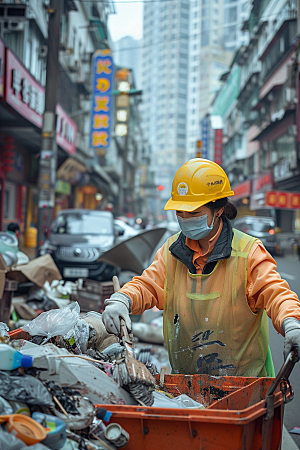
{"x":209,"y":296}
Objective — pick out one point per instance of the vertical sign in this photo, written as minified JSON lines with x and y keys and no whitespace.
{"x":102,"y":84}
{"x":218,"y":146}
{"x":2,"y":59}
{"x":205,"y":137}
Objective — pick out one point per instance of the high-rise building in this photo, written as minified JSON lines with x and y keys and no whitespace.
{"x":164,"y":80}
{"x":127,"y":53}
{"x":187,"y":46}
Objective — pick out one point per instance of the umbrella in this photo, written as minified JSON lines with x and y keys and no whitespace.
{"x":134,"y":253}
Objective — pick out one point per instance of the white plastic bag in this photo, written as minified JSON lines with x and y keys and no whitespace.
{"x":56,"y":322}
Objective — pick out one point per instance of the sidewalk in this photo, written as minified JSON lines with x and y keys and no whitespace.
{"x":288,"y":442}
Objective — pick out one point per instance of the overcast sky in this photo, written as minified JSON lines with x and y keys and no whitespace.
{"x":128,"y":20}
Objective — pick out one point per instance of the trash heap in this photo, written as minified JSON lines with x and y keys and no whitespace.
{"x":58,"y":376}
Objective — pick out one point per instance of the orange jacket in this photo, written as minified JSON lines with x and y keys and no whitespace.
{"x":265,"y":288}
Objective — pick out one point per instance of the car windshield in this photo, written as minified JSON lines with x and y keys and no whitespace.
{"x":82,"y":224}
{"x":261,"y":227}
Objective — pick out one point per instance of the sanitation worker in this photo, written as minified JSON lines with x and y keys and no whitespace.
{"x":215,"y":284}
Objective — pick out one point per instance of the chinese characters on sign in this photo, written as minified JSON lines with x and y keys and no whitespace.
{"x":218,"y":146}
{"x":101,"y":99}
{"x":205,"y":137}
{"x":27,"y":97}
{"x":286,"y":200}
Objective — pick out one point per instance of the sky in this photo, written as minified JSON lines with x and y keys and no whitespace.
{"x":128,"y":20}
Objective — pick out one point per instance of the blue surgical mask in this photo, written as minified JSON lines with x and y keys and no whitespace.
{"x":195,"y":227}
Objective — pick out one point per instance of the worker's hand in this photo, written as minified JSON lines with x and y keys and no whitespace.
{"x":291,"y":329}
{"x":118,"y":305}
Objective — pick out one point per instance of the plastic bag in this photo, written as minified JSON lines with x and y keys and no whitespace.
{"x":80,"y":332}
{"x":182,"y":401}
{"x":57,"y":322}
{"x":25,"y":389}
{"x":4,"y":330}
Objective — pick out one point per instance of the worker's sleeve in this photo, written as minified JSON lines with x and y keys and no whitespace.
{"x":147,"y":290}
{"x":266,"y":289}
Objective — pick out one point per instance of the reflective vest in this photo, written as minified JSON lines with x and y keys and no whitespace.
{"x":209,"y":327}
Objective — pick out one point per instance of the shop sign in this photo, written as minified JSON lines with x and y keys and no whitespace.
{"x":2,"y":60}
{"x":62,"y":187}
{"x":218,"y":146}
{"x":204,"y":137}
{"x":284,"y":200}
{"x":102,"y":85}
{"x":66,"y":131}
{"x":282,"y":170}
{"x":263,"y":183}
{"x":23,"y":92}
{"x":242,"y":190}
{"x":71,"y":171}
{"x":27,"y":97}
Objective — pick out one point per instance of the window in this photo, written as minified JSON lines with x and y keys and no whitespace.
{"x":230,"y":14}
{"x":205,"y":39}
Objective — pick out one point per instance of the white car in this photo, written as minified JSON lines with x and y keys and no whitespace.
{"x":123,"y":230}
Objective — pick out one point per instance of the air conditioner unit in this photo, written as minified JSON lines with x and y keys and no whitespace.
{"x":13,"y":25}
{"x":43,"y":51}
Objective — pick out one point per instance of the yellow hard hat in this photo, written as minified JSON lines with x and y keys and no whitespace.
{"x":197,"y":182}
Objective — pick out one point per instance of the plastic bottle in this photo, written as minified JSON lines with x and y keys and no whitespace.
{"x":11,"y":359}
{"x":56,"y":437}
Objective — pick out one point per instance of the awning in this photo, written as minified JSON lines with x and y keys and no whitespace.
{"x":242,"y":190}
{"x":104,"y":180}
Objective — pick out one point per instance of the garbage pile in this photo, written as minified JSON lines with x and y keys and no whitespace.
{"x":58,"y":376}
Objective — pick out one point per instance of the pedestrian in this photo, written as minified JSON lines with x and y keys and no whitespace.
{"x":13,"y":228}
{"x":215,"y":284}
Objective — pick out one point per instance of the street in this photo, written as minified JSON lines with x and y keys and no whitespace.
{"x":288,"y":267}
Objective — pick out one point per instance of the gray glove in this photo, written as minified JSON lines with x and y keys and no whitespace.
{"x":118,"y":305}
{"x":291,"y":330}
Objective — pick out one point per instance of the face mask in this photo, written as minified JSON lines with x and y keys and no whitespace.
{"x":195,"y":227}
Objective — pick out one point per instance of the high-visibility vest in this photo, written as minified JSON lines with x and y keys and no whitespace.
{"x":209,"y":327}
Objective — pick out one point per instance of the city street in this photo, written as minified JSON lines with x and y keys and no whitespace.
{"x":288,"y":267}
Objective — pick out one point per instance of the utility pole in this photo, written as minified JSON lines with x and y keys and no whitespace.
{"x":48,"y":155}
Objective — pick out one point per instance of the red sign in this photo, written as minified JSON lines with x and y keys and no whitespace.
{"x":66,"y":131}
{"x":263,"y":182}
{"x":2,"y":59}
{"x":285,"y":200}
{"x":218,"y":146}
{"x":22,"y":91}
{"x":242,"y":190}
{"x":27,"y":97}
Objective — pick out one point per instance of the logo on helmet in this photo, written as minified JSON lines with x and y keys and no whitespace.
{"x":215,"y":183}
{"x":182,"y":188}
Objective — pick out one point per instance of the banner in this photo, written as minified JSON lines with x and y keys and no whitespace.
{"x":102,"y":87}
{"x":284,"y":200}
{"x":218,"y":146}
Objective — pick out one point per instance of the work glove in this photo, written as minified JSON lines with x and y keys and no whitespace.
{"x":118,"y":305}
{"x":291,"y":330}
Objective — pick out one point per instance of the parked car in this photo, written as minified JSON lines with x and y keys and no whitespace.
{"x":262,"y":228}
{"x":76,"y":240}
{"x":123,"y":230}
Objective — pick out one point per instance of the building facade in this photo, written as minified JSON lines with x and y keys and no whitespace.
{"x":83,"y":176}
{"x":260,"y":124}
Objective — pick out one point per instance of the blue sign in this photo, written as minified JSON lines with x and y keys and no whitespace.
{"x":101,"y":99}
{"x":205,"y":137}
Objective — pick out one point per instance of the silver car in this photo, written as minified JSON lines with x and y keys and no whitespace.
{"x":262,"y":228}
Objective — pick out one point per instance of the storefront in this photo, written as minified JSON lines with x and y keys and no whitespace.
{"x":21,"y":117}
{"x":241,"y":198}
